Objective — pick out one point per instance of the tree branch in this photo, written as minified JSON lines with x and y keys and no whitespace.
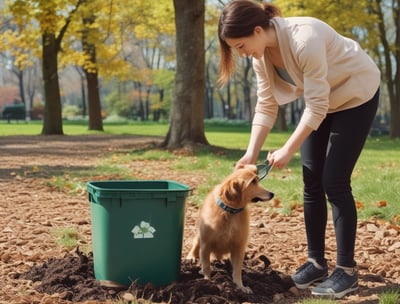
{"x":63,"y":30}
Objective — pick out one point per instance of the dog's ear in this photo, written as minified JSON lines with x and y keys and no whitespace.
{"x":233,"y":190}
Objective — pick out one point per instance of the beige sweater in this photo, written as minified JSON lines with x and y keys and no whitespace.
{"x":330,"y":71}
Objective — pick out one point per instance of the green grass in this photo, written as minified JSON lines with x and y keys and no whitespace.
{"x":375,"y":181}
{"x":66,"y":237}
{"x":390,"y":297}
{"x":81,"y":128}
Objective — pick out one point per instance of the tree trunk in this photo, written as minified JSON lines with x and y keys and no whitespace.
{"x":147,"y":103}
{"x":91,"y":72}
{"x":281,"y":124}
{"x":227,"y":102}
{"x":20,"y":75}
{"x":52,"y":122}
{"x":248,"y":111}
{"x":95,"y":119}
{"x":31,"y":87}
{"x":141,"y":111}
{"x":83,"y":93}
{"x":209,"y":102}
{"x":395,"y":103}
{"x":82,"y":78}
{"x":393,"y":83}
{"x":187,"y":113}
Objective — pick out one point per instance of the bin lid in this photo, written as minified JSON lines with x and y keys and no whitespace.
{"x":132,"y":189}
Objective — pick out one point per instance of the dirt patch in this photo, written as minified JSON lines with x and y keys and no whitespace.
{"x":73,"y":279}
{"x":31,"y":210}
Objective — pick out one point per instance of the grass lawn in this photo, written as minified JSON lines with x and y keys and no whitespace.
{"x":375,"y":181}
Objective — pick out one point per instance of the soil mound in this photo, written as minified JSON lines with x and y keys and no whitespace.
{"x":72,"y":277}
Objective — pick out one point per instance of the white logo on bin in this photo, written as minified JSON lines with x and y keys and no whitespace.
{"x":143,"y":231}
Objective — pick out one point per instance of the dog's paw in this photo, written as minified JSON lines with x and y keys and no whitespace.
{"x":206,"y":272}
{"x":207,"y":277}
{"x":191,"y":259}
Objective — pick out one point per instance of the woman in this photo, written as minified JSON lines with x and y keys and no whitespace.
{"x":304,"y":57}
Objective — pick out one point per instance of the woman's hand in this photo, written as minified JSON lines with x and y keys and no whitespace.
{"x":279,"y":158}
{"x":245,"y":160}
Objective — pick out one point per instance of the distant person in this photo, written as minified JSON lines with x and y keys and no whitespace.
{"x":304,"y":57}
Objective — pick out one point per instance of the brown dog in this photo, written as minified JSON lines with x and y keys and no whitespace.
{"x":224,"y":221}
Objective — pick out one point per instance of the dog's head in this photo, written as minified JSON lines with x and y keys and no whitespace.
{"x":243,"y":186}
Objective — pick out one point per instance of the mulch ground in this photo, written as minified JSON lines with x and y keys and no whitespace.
{"x":77,"y":283}
{"x":35,"y":269}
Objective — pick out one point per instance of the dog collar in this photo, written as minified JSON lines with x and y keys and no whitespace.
{"x":227,"y":208}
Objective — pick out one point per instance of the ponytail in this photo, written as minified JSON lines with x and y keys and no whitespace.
{"x":238,"y":19}
{"x":271,"y":10}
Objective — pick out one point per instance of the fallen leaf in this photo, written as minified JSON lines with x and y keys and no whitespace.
{"x":381,"y":204}
{"x":359,"y":205}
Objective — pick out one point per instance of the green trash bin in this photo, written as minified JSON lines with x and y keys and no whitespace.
{"x":137,"y":230}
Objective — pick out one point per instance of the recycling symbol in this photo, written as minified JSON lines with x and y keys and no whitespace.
{"x":143,"y":231}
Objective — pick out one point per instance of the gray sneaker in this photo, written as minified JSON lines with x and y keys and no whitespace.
{"x":308,"y":274}
{"x":337,"y":285}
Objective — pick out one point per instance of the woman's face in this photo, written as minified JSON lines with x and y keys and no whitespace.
{"x":250,"y":46}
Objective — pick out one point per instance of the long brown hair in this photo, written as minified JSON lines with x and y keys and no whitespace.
{"x":238,"y":19}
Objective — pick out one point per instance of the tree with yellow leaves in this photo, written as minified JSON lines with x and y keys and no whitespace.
{"x":20,"y":50}
{"x":89,"y":33}
{"x":148,"y":40}
{"x":53,"y":18}
{"x":350,"y":18}
{"x":373,"y":23}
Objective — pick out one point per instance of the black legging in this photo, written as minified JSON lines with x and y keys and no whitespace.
{"x":329,"y":156}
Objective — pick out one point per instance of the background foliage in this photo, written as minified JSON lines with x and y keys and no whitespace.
{"x":134,"y":42}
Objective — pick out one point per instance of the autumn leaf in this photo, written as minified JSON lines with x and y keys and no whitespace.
{"x":381,"y":204}
{"x":276,"y":203}
{"x":359,"y":205}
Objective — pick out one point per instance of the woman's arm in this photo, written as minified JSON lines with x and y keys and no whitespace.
{"x":257,"y":137}
{"x":281,"y":157}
